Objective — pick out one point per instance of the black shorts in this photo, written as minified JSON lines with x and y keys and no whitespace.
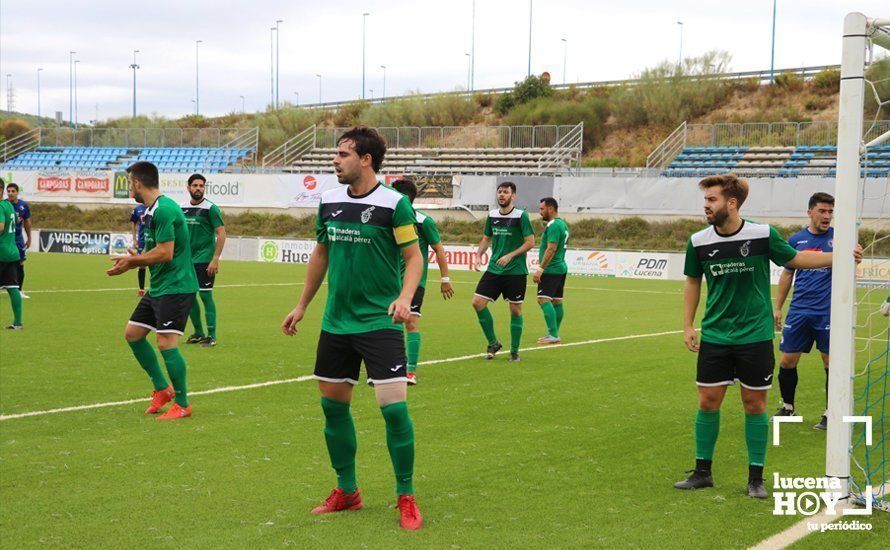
{"x":9,"y":274}
{"x":417,"y":301}
{"x":164,"y":314}
{"x":552,"y":285}
{"x":339,"y":357}
{"x":751,"y":364}
{"x":205,"y":281}
{"x":492,"y":286}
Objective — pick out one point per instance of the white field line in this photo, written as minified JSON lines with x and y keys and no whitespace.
{"x":305,"y":378}
{"x":799,"y":530}
{"x":248,"y":285}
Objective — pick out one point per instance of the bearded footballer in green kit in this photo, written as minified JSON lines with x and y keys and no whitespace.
{"x":207,"y":234}
{"x":165,"y":308}
{"x":734,"y":254}
{"x":364,"y":230}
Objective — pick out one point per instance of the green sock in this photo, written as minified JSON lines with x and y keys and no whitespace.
{"x":559,"y":313}
{"x":756,"y":436}
{"x":550,"y":318}
{"x":413,"y":345}
{"x":515,"y":333}
{"x":707,"y":427}
{"x":339,"y":434}
{"x":148,"y":360}
{"x":176,"y":370}
{"x":400,"y":442}
{"x":486,"y":321}
{"x":210,"y":311}
{"x":195,"y":316}
{"x":15,"y":296}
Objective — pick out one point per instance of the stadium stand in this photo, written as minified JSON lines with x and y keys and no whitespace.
{"x":806,"y":160}
{"x":502,"y":150}
{"x":167,"y":159}
{"x":777,"y":149}
{"x":171,"y":149}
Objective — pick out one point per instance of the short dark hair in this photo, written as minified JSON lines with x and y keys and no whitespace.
{"x":509,"y":184}
{"x":145,"y":172}
{"x":820,"y":197}
{"x":366,"y":141}
{"x":406,"y":187}
{"x":550,"y":201}
{"x":731,"y":186}
{"x":194,"y":177}
{"x":16,"y":186}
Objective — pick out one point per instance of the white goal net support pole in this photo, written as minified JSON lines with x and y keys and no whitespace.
{"x":859,"y":33}
{"x":843,"y":272}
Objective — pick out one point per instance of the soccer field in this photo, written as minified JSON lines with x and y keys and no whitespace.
{"x":576,"y":446}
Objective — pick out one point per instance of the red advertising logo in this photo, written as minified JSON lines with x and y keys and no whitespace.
{"x":91,"y":185}
{"x":310,"y":183}
{"x":53,"y":184}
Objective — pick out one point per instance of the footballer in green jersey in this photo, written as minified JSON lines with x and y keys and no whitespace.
{"x":427,"y":237}
{"x":552,"y":268}
{"x":9,"y":260}
{"x":364,"y":230}
{"x":165,"y":308}
{"x":508,"y":230}
{"x":207,"y":234}
{"x":734,"y":255}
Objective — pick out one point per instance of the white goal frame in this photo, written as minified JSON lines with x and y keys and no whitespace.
{"x":859,"y":32}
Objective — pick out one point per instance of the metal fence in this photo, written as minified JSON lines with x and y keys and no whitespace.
{"x":458,"y":137}
{"x":771,"y":134}
{"x":762,"y":76}
{"x":145,"y":137}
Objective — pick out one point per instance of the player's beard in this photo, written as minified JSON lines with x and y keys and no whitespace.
{"x":719,"y":216}
{"x":196,"y":195}
{"x":137,"y":196}
{"x":506,"y":203}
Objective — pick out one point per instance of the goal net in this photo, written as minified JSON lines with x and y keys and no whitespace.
{"x":857,"y":439}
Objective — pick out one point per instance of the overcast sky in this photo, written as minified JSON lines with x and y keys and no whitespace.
{"x":422,"y":43}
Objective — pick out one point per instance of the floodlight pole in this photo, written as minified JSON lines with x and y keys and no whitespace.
{"x":319,"y":88}
{"x":772,"y":48}
{"x":384,"y":80}
{"x":272,"y":67}
{"x":71,"y":88}
{"x":197,"y":82}
{"x":76,"y":61}
{"x":242,"y":104}
{"x":39,"y":120}
{"x":364,"y":26}
{"x":277,"y":58}
{"x":565,"y":53}
{"x":134,"y":66}
{"x":680,"y":55}
{"x":469,"y":69}
{"x":473,"y":49}
{"x":529,"y":73}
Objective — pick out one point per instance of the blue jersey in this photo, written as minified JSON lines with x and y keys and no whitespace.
{"x":812,"y":287}
{"x":22,"y":213}
{"x":138,"y":217}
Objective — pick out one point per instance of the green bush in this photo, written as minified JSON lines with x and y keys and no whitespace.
{"x":607,"y":162}
{"x":789,"y":81}
{"x":827,"y":81}
{"x":592,"y":111}
{"x":533,"y":87}
{"x":350,"y":114}
{"x":668,"y":94}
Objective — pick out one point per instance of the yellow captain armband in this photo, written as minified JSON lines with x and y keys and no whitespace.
{"x":405,"y":234}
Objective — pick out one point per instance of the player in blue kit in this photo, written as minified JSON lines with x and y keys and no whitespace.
{"x":809,"y":317}
{"x":22,"y":230}
{"x":138,"y":221}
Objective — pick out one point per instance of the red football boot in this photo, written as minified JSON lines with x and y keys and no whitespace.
{"x":411,"y":518}
{"x":159,"y":398}
{"x":340,"y":502}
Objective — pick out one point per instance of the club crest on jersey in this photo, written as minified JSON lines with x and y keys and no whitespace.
{"x":366,"y":214}
{"x":745,"y":249}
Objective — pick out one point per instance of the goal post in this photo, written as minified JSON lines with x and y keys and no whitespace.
{"x":860,"y":37}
